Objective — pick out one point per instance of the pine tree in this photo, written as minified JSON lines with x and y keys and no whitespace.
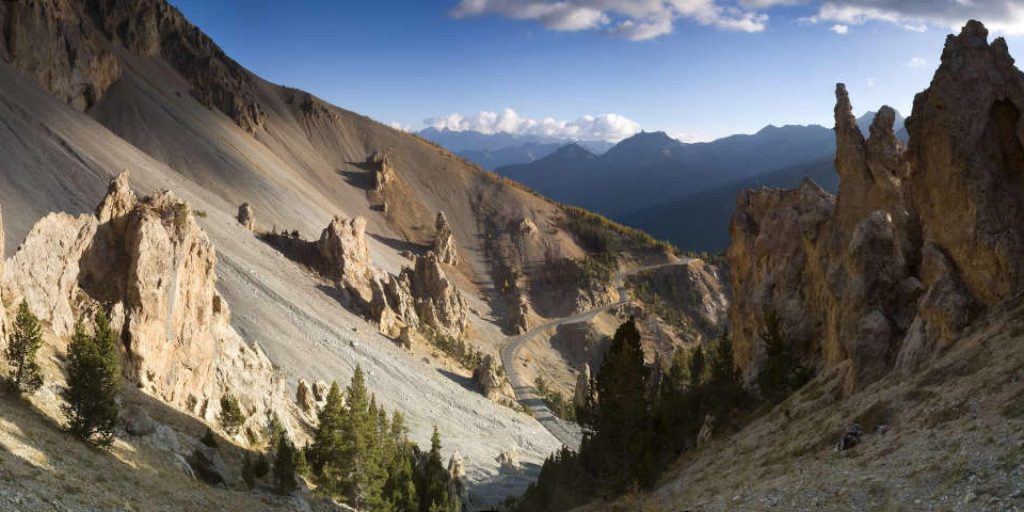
{"x":94,"y":381}
{"x":326,"y":450}
{"x":725,"y":386}
{"x":24,"y":342}
{"x":359,"y":465}
{"x":231,"y":416}
{"x":782,"y":373}
{"x":400,"y":488}
{"x":285,"y":460}
{"x":433,"y":487}
{"x":621,"y":417}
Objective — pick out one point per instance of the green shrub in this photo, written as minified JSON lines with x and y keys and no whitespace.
{"x":231,"y":416}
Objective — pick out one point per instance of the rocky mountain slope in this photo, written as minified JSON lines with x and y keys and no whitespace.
{"x":93,"y":87}
{"x":903,"y":292}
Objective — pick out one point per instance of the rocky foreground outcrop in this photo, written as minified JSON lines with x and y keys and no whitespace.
{"x":918,"y":241}
{"x":152,"y":267}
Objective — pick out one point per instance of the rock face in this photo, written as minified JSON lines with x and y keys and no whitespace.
{"x":346,"y":258}
{"x":44,"y":271}
{"x":444,"y":243}
{"x":487,"y":376}
{"x":581,"y":394}
{"x":917,"y":242}
{"x":383,"y":173}
{"x":247,"y":217}
{"x":458,"y":491}
{"x":439,"y":304}
{"x":85,"y":43}
{"x":150,"y":264}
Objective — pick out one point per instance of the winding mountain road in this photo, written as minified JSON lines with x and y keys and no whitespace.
{"x":567,"y":432}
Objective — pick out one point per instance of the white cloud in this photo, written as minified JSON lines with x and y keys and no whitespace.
{"x":917,"y":62}
{"x":871,"y":82}
{"x":689,"y":137}
{"x":400,"y":127}
{"x":1004,"y":16}
{"x":606,"y":127}
{"x":636,"y":20}
{"x":840,"y":29}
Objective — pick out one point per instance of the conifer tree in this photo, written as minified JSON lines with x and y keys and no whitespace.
{"x":400,"y":488}
{"x":327,"y":447}
{"x":358,"y":465}
{"x":433,"y":485}
{"x":25,"y":340}
{"x":621,"y":417}
{"x":285,"y":460}
{"x":231,"y":416}
{"x":782,"y":373}
{"x":94,"y":381}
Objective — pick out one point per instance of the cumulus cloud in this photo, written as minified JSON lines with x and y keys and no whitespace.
{"x":917,"y":62}
{"x":606,"y":127}
{"x":840,"y":29}
{"x":636,"y":20}
{"x":1004,"y":16}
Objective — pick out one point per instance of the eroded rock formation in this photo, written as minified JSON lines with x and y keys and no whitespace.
{"x":439,"y":304}
{"x":345,"y":257}
{"x":491,"y":381}
{"x":150,"y":264}
{"x":917,"y":241}
{"x":383,"y":172}
{"x":246,"y":216}
{"x":444,"y":242}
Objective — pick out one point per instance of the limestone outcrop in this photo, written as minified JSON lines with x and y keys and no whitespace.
{"x":582,"y":393}
{"x":152,"y":267}
{"x":345,"y":257}
{"x":246,"y":216}
{"x":439,"y":304}
{"x":918,"y":241}
{"x":44,"y":270}
{"x":491,"y":381}
{"x":383,"y":172}
{"x":444,"y":242}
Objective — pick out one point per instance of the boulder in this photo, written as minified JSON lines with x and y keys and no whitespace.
{"x":208,"y":465}
{"x":137,"y":421}
{"x":247,"y":217}
{"x":508,"y":461}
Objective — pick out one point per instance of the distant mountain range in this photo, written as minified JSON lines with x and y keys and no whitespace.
{"x":493,"y":150}
{"x":684,"y":192}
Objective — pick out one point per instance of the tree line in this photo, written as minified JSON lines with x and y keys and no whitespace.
{"x":636,"y":423}
{"x":363,"y":456}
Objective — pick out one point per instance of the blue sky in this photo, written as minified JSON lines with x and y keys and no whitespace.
{"x":703,"y":69}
